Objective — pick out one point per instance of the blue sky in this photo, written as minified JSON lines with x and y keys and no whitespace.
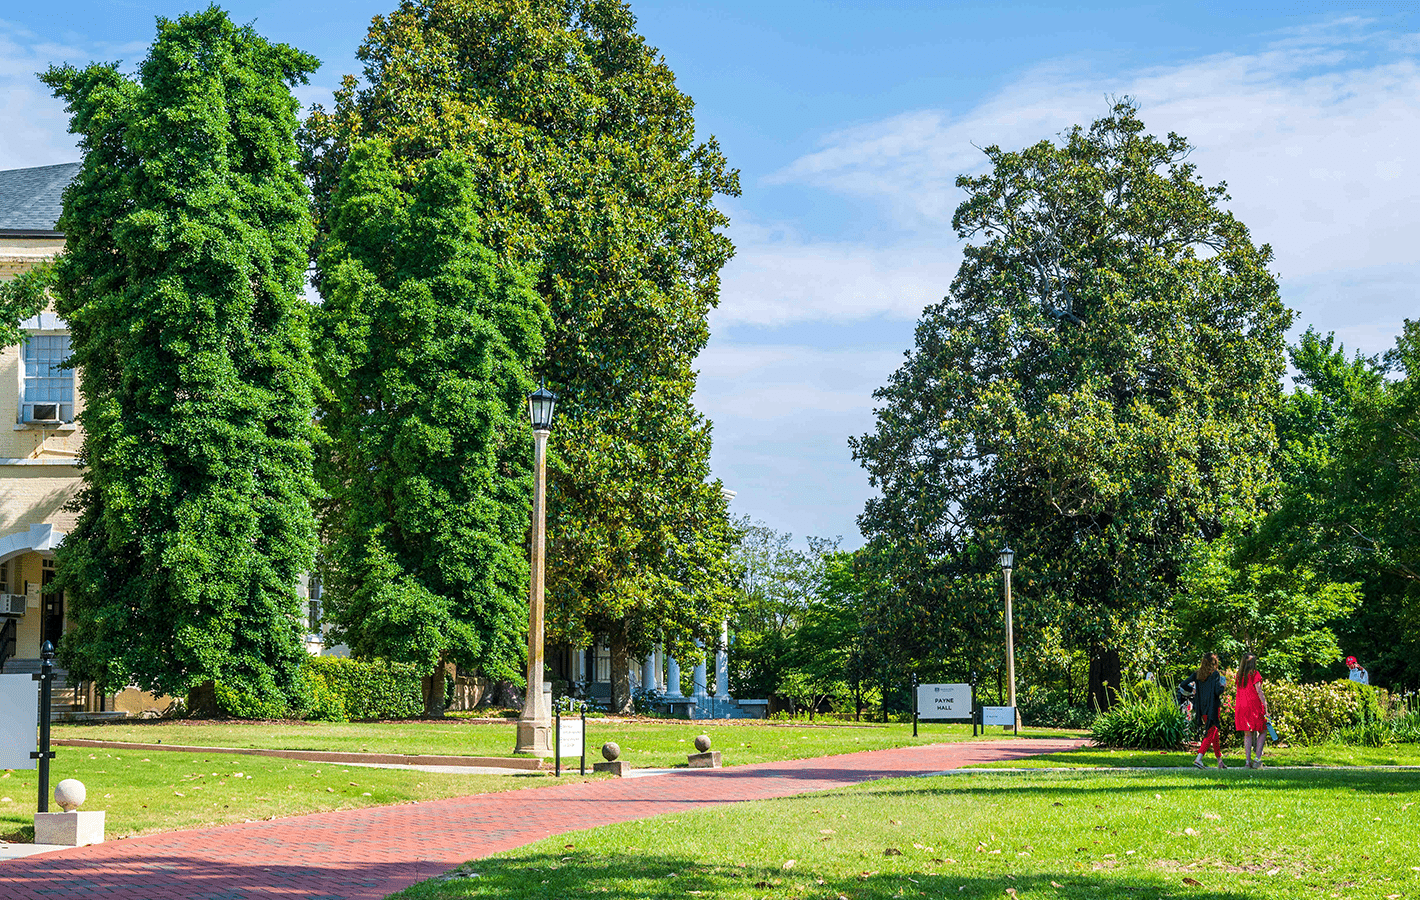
{"x":850,"y":122}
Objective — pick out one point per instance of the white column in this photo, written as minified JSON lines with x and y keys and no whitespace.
{"x":579,"y":668}
{"x":722,"y":663}
{"x":699,"y":677}
{"x":659,"y":655}
{"x":672,"y":677}
{"x":648,"y":672}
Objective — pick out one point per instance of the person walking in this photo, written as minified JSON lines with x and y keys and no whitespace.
{"x":1208,"y":687}
{"x":1250,"y":710}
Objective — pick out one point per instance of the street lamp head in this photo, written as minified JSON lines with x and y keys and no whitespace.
{"x":540,"y":406}
{"x":1007,"y":556}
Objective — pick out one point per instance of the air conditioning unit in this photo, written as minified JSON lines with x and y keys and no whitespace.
{"x":45,"y":412}
{"x":12,"y":604}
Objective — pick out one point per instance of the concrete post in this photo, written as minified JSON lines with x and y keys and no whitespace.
{"x":535,"y":723}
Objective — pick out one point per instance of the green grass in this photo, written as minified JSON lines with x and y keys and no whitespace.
{"x":649,"y":744}
{"x":1237,"y":834}
{"x":144,"y":792}
{"x":1324,"y":755}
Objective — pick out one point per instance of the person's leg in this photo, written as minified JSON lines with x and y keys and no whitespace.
{"x":1259,"y":741}
{"x":1249,"y":742}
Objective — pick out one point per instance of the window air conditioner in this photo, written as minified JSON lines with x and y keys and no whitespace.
{"x":46,"y":412}
{"x":12,"y":604}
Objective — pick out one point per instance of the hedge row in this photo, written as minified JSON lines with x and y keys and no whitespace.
{"x":1147,"y":718}
{"x":332,"y":689}
{"x":344,"y":689}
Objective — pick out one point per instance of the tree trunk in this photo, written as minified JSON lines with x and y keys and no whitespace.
{"x":620,"y":702}
{"x":202,"y":701}
{"x":434,"y":684}
{"x":1104,"y":679}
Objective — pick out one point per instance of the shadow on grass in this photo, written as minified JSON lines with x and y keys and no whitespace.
{"x":546,"y":876}
{"x":1113,"y":784}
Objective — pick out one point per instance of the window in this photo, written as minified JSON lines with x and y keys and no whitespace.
{"x":313,"y":594}
{"x":5,"y":577}
{"x":48,"y":392}
{"x":602,"y":671}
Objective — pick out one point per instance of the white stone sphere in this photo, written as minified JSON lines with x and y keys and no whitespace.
{"x":70,"y":794}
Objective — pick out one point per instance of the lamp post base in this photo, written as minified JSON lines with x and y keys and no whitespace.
{"x":534,"y":738}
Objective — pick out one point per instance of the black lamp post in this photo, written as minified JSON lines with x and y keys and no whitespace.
{"x":535,"y":723}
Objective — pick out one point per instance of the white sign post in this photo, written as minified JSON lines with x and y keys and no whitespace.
{"x":944,"y":701}
{"x":1005,"y":716}
{"x":19,"y":700}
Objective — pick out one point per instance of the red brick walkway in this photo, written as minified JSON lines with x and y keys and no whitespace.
{"x":371,"y":853}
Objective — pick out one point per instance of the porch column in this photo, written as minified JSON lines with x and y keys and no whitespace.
{"x":648,"y":672}
{"x":722,"y":663}
{"x":672,"y":677}
{"x":699,"y":677}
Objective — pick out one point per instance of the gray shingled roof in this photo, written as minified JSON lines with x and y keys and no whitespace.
{"x":31,"y":199}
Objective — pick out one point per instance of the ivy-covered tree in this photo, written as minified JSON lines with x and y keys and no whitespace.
{"x":584,"y":155}
{"x":424,"y":343}
{"x":1097,"y":389}
{"x":187,"y":232}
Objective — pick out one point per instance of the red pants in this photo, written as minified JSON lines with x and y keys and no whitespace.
{"x":1211,"y":739}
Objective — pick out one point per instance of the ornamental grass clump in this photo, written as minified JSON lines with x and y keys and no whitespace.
{"x":1144,"y":718}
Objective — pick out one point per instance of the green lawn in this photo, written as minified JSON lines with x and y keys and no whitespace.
{"x":646,"y":744}
{"x":1325,"y":755}
{"x":144,"y":792}
{"x":1237,"y":834}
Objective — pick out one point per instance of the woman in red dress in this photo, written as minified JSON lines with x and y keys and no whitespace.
{"x":1250,"y":709}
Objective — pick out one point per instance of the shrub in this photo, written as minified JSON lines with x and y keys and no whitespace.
{"x":344,"y":689}
{"x":1315,"y":713}
{"x":1367,"y":734}
{"x":245,"y":701}
{"x":1144,"y":718}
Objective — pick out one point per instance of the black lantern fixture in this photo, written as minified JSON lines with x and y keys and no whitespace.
{"x":1007,"y":556}
{"x":540,"y":405}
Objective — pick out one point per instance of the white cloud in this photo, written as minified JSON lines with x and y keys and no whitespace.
{"x":1316,"y":134}
{"x":782,"y":415}
{"x":778,"y":276}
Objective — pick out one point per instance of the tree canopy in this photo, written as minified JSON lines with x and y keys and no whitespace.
{"x":583,"y":153}
{"x":424,"y":343}
{"x":187,"y":234}
{"x":1097,"y":389}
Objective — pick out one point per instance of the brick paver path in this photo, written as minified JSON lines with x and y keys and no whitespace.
{"x":371,"y":853}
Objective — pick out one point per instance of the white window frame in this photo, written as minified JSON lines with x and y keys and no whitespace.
{"x":24,"y":408}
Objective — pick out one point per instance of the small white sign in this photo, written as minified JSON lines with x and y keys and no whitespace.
{"x":19,"y":712}
{"x":999,"y":715}
{"x":570,"y":737}
{"x":944,"y":701}
{"x":33,"y":592}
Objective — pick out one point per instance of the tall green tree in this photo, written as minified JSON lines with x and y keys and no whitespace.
{"x":584,"y":155}
{"x":1097,"y":389}
{"x":187,"y":234}
{"x":424,"y":343}
{"x":1348,"y":508}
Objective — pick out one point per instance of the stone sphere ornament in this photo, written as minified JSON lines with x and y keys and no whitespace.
{"x":70,"y":794}
{"x":611,"y":750}
{"x":702,"y":743}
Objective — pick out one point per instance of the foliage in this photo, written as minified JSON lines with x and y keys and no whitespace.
{"x":21,"y":297}
{"x":186,"y":244}
{"x":1143,"y":719}
{"x":583,"y":153}
{"x":1050,"y":709}
{"x":424,"y":342}
{"x":1311,"y":714}
{"x":1097,"y":389}
{"x":246,"y":701}
{"x":1282,"y":614}
{"x":364,"y":689}
{"x":1351,"y":447}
